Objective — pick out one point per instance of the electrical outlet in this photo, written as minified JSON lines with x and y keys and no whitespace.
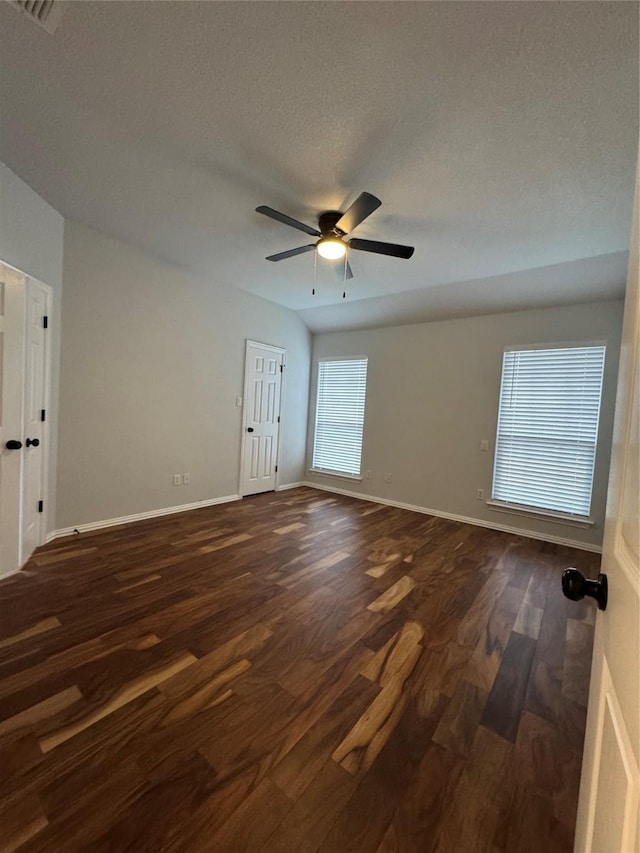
{"x":367,"y":475}
{"x":186,"y":479}
{"x":484,"y":444}
{"x":177,"y":479}
{"x":480,"y":494}
{"x":387,"y":478}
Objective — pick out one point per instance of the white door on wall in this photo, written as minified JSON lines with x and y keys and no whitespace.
{"x":11,"y":437}
{"x":608,"y":819}
{"x":261,"y":422}
{"x":24,"y":385}
{"x":35,"y":406}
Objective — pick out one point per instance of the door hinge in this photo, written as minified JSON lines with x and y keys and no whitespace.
{"x":281,"y":368}
{"x":45,"y":322}
{"x":43,"y":415}
{"x":278,"y":418}
{"x":276,"y":469}
{"x":40,"y":506}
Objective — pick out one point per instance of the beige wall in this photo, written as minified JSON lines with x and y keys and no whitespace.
{"x":152,"y":362}
{"x":31,"y":240}
{"x":433,"y":395}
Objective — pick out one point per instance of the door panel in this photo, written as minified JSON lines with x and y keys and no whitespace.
{"x":11,"y":389}
{"x":608,"y":820}
{"x":33,"y":457}
{"x":263,"y":378}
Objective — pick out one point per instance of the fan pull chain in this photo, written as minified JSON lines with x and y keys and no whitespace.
{"x":344,"y":279}
{"x":315,"y":272}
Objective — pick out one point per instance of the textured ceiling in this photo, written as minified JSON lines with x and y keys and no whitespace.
{"x":501,"y":138}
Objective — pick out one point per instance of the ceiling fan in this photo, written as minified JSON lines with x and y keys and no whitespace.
{"x":333,"y":226}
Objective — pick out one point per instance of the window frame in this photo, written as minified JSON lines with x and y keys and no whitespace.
{"x":552,"y":515}
{"x":328,"y":472}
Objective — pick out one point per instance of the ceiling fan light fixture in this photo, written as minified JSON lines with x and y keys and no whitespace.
{"x":331,"y":248}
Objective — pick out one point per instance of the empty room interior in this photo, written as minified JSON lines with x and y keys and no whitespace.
{"x":319,"y":394}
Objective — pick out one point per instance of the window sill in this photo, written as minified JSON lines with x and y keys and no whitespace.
{"x":542,"y":514}
{"x":338,"y":474}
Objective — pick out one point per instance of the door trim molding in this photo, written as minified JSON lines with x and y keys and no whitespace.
{"x":46,"y":425}
{"x":283,"y":352}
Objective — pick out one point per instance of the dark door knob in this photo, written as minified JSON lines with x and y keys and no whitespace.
{"x":575,"y":586}
{"x":13,"y":444}
{"x":249,"y":429}
{"x":33,"y":442}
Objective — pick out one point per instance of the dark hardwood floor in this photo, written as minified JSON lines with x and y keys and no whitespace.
{"x":295,"y":672}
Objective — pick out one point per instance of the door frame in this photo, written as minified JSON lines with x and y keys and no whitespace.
{"x":283,"y":353}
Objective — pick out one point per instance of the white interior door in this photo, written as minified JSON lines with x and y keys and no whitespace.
{"x":11,"y":432}
{"x":24,"y":389}
{"x":608,"y":820}
{"x":35,"y":404}
{"x":262,"y":386}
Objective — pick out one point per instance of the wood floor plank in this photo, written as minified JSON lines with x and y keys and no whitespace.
{"x":135,"y":584}
{"x":528,"y":620}
{"x":470,"y":818}
{"x":392,"y":596}
{"x":201,"y":671}
{"x":122,"y":697}
{"x":303,"y":762}
{"x":104,"y":793}
{"x":292,"y":672}
{"x":24,"y":821}
{"x":457,"y":728}
{"x":289,"y":528}
{"x":33,"y":631}
{"x":485,"y":661}
{"x":156,"y":814}
{"x":362,"y":745}
{"x":254,"y":821}
{"x":362,"y":823}
{"x":41,"y":711}
{"x":544,"y":691}
{"x":307,"y":824}
{"x":576,"y":665}
{"x":506,"y":701}
{"x":418,"y":817}
{"x":442,"y":671}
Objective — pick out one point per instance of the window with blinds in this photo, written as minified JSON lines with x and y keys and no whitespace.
{"x":548,"y":428}
{"x":337,"y":444}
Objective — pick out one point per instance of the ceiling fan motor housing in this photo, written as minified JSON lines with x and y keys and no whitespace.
{"x":327,"y":223}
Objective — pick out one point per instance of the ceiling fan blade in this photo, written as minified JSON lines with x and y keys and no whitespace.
{"x":287,"y":220}
{"x":343,"y":271}
{"x":392,"y":249}
{"x":362,"y":207}
{"x":291,"y":253}
{"x":349,"y":271}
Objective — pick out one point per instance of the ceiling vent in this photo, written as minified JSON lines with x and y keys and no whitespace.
{"x":46,"y":13}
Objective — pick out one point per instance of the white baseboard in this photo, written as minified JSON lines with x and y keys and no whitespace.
{"x":504,"y":528}
{"x":9,"y":574}
{"x":156,"y":513}
{"x":286,"y":486}
{"x":140,"y":516}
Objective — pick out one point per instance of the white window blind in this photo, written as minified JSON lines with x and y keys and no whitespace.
{"x":548,"y":427}
{"x":337,"y":445}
